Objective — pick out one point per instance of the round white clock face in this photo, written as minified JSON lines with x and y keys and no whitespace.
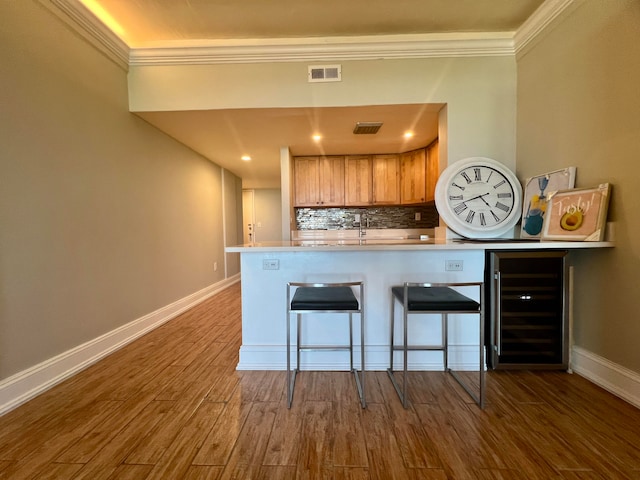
{"x":479,"y":198}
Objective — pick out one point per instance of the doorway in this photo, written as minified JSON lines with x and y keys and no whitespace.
{"x":248,"y":216}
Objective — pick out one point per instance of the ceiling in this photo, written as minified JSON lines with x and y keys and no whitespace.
{"x":223,"y":136}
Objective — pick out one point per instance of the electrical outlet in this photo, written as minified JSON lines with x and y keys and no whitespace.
{"x":215,"y":266}
{"x":271,"y":264}
{"x":418,"y":216}
{"x":453,"y":265}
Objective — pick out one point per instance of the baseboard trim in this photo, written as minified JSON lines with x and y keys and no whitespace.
{"x":614,"y":378}
{"x":25,"y":385}
{"x":273,"y":357}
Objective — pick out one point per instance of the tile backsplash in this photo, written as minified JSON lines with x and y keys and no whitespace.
{"x":344,"y":218}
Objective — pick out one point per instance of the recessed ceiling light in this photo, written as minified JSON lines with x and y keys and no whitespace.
{"x":408,"y":134}
{"x":317,"y":137}
{"x":246,"y":158}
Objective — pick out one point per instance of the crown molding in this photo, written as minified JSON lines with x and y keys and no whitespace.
{"x":307,"y":49}
{"x":538,"y":22}
{"x":324,"y":49}
{"x":84,"y":22}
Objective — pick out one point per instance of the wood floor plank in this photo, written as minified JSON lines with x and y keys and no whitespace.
{"x":225,"y":385}
{"x":383,"y":452}
{"x":104,"y":433}
{"x":130,"y":472}
{"x":178,"y":457}
{"x":349,"y":448}
{"x":271,"y":472}
{"x":450,"y":447}
{"x":74,"y":427}
{"x":96,"y":471}
{"x":316,"y":446}
{"x":251,"y":444}
{"x":417,"y":447}
{"x":112,"y":448}
{"x":351,"y":473}
{"x":284,"y":442}
{"x":249,"y":451}
{"x":59,"y":471}
{"x":202,"y":472}
{"x":220,"y":442}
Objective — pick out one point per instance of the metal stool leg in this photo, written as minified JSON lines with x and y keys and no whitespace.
{"x":445,"y":340}
{"x":362,"y":364}
{"x":289,"y":390}
{"x":335,"y":301}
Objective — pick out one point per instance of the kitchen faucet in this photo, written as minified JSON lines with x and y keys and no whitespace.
{"x":362,"y":229}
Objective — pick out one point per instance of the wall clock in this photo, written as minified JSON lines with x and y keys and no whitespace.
{"x":479,"y":197}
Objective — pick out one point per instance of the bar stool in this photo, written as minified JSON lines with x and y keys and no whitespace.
{"x":434,"y":298}
{"x":325,"y":298}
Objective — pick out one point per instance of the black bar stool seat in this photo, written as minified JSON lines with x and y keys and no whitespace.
{"x":434,"y":299}
{"x":324,"y":298}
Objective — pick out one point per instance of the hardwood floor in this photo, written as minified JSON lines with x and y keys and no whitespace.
{"x":171,"y":406}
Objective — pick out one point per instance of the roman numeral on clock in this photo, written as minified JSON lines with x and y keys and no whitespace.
{"x":499,"y":184}
{"x":470,"y":216}
{"x":502,"y":207}
{"x":466,"y":177}
{"x":477,"y":175}
{"x":461,"y":207}
{"x":483,"y":221}
{"x":455,"y":197}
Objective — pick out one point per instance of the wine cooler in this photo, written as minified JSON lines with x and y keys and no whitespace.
{"x":528,"y":299}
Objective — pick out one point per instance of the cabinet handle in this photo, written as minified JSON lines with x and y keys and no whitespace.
{"x":498,"y":297}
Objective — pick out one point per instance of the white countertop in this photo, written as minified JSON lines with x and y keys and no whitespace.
{"x":389,"y":244}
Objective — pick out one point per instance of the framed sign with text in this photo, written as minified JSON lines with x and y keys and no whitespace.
{"x":579,"y":214}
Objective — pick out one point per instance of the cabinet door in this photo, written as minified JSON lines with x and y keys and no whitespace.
{"x":358,"y":180}
{"x":433,"y":170}
{"x":331,"y":181}
{"x":386,"y":179}
{"x":412,"y":177}
{"x":306,"y":176}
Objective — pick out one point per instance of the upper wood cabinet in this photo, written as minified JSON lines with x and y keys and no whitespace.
{"x":318,"y":181}
{"x":358,"y":188}
{"x":359,"y":180}
{"x":432,"y":170}
{"x":386,"y":179}
{"x":413,"y":177}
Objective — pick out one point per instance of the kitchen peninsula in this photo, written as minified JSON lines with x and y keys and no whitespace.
{"x":380,"y":262}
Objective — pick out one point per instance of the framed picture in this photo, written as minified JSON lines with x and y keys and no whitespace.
{"x":579,"y":214}
{"x":536,"y":193}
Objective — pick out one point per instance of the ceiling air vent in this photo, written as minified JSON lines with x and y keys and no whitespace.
{"x":325,"y":73}
{"x":367,"y":128}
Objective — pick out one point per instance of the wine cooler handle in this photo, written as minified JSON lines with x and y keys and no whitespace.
{"x":498,"y":296}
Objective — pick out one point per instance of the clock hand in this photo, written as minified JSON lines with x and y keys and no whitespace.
{"x":480,"y":197}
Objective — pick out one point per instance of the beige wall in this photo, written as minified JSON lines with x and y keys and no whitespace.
{"x":579,"y":104}
{"x":103,"y":219}
{"x":268,"y":214}
{"x":233,"y":220}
